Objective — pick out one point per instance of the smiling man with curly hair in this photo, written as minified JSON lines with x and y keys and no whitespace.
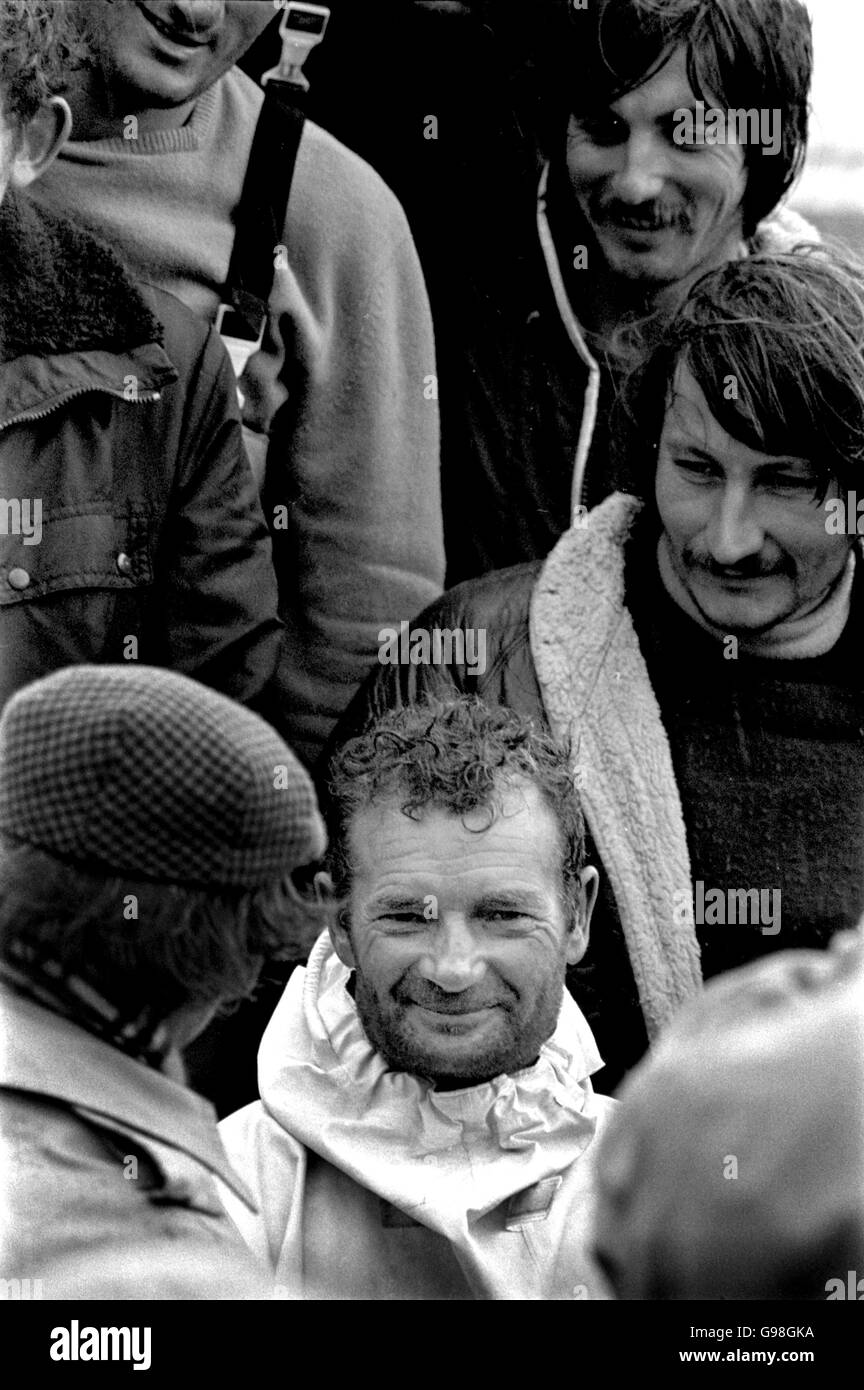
{"x":427,"y":1121}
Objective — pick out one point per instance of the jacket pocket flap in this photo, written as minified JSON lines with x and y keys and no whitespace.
{"x":84,"y":549}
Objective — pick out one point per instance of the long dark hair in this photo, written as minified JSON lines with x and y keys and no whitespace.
{"x":747,"y":54}
{"x":776,"y":344}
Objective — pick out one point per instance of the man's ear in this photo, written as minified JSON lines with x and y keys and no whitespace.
{"x":338,"y":928}
{"x":39,"y":141}
{"x":577,"y":941}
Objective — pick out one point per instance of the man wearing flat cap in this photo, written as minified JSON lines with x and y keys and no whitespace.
{"x":148,"y":830}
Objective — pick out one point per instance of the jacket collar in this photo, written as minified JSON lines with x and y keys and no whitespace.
{"x":71,"y":319}
{"x":598,"y":696}
{"x":46,"y":1054}
{"x":63,"y":291}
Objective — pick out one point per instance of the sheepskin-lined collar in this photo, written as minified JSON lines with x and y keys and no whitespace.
{"x":62,"y":291}
{"x":598,"y":695}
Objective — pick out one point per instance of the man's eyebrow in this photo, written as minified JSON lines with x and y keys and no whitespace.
{"x":598,"y":113}
{"x":786,"y":461}
{"x":508,"y":900}
{"x":678,"y":444}
{"x":395,"y":902}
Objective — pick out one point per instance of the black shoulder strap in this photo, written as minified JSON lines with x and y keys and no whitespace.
{"x":264,"y":203}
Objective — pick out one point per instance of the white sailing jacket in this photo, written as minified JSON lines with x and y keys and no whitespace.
{"x":373,"y":1185}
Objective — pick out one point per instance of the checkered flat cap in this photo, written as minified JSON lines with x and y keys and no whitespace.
{"x":139,"y":771}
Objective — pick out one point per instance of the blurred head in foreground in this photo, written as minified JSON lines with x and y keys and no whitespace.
{"x":734,"y":1168}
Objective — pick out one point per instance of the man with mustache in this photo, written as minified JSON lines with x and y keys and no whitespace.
{"x":427,"y":1123}
{"x":635,"y":204}
{"x":580,"y":213}
{"x":698,"y":648}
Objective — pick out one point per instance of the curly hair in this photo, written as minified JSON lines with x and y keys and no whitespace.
{"x":458,"y":756}
{"x":790,"y":330}
{"x":37,"y":48}
{"x":175,"y":947}
{"x":750,"y":54}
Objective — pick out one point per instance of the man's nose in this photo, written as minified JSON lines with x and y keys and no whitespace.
{"x":734,"y":531}
{"x":642,"y":168}
{"x":454,"y":960}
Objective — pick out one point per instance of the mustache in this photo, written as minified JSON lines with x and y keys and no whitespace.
{"x":430,"y":996}
{"x":749,"y":567}
{"x":653,"y":216}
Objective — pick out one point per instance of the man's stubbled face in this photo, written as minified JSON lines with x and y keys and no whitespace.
{"x":460,"y":936}
{"x":744,"y":532}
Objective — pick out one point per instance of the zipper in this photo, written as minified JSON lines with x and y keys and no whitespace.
{"x":591,"y":397}
{"x":29,"y":415}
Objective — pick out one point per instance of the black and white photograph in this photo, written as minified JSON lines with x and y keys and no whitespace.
{"x":431,"y":713}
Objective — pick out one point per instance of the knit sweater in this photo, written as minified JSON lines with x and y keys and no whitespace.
{"x":774,"y":746}
{"x":696,"y":770}
{"x":342,"y":382}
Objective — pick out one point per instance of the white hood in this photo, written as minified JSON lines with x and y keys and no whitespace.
{"x":445,"y":1158}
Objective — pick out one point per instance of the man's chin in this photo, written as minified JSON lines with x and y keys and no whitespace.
{"x":742,"y":618}
{"x":149,"y":85}
{"x":449,"y":1061}
{"x":644,"y":264}
{"x":455,"y":1048}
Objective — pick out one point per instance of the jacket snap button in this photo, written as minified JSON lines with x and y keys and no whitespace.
{"x":18,"y":578}
{"x":124,"y":564}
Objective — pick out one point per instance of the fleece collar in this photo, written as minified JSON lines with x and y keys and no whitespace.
{"x":62,"y":291}
{"x":598,"y":696}
{"x":446,"y":1158}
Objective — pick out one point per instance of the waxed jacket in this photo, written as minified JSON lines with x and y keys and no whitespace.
{"x":109,"y":1171}
{"x":119,"y":433}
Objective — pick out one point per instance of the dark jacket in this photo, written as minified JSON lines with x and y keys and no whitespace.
{"x":497,"y":604}
{"x":118,"y":417}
